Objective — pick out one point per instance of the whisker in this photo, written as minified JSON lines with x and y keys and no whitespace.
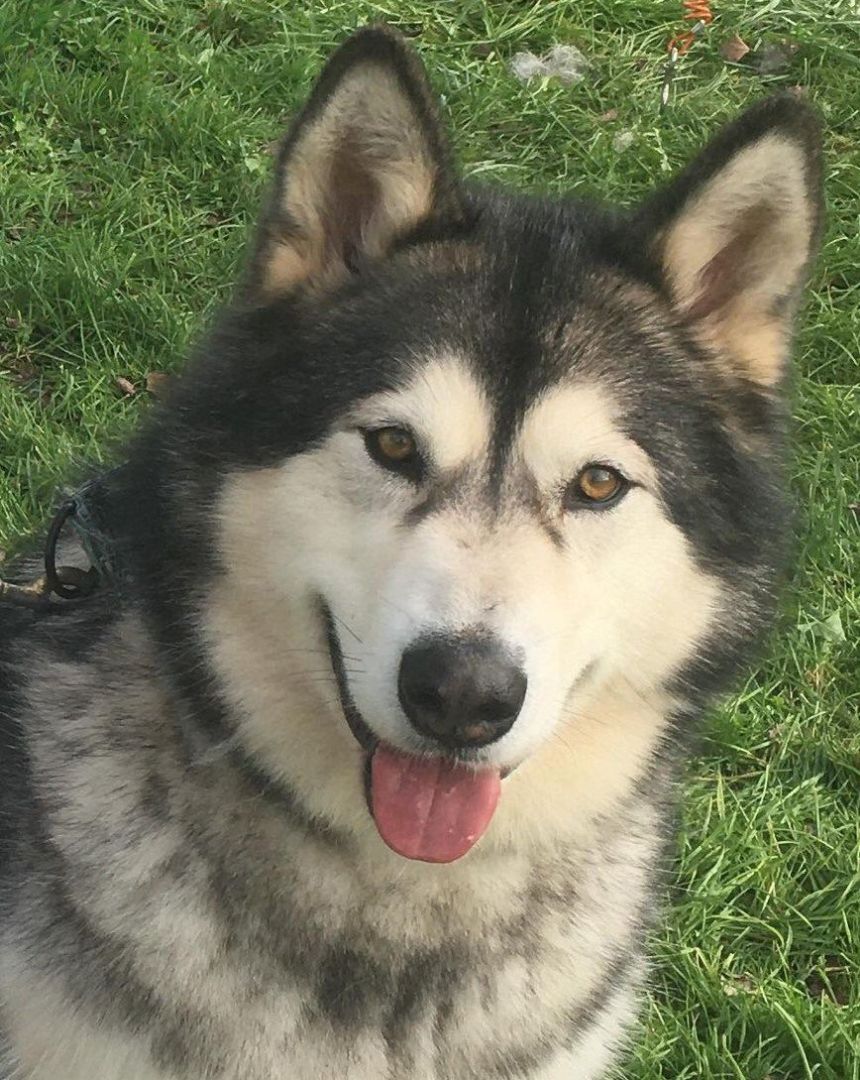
{"x":347,"y":627}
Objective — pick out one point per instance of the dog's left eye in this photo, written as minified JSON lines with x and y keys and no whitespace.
{"x":597,"y":487}
{"x":394,"y":448}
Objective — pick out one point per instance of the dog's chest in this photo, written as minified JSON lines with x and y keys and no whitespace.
{"x":323,"y":977}
{"x":432,"y":991}
{"x":436,"y":1026}
{"x":446,"y":1014}
{"x":234,"y":971}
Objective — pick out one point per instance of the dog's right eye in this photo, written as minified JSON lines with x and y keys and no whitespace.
{"x":395,"y":449}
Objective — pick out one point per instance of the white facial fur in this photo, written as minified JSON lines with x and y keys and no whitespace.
{"x":618,"y":605}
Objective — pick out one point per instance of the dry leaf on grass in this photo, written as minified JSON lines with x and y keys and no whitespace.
{"x":734,"y":49}
{"x":125,"y":386}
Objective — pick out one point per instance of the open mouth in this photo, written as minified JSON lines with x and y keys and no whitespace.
{"x":433,"y":809}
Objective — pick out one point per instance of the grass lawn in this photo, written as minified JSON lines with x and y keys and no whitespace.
{"x":133,"y":149}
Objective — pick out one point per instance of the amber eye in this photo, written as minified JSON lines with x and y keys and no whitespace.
{"x":596,"y":486}
{"x":393,"y":448}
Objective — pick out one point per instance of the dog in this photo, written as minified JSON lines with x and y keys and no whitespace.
{"x":362,"y":761}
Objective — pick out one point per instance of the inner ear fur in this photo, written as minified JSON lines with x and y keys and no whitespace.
{"x":734,"y":234}
{"x":366,"y":163}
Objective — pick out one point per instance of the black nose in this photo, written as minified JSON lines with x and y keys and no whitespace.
{"x":460,"y":692}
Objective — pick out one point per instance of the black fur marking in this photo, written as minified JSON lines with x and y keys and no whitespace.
{"x":425,"y":978}
{"x":16,"y":797}
{"x":285,"y":800}
{"x":155,"y":797}
{"x":535,"y":501}
{"x":363,"y":735}
{"x":443,"y":493}
{"x":613,"y":980}
{"x":344,"y":984}
{"x":69,"y":635}
{"x":101,"y":978}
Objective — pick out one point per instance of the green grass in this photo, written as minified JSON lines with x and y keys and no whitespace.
{"x":133,"y":149}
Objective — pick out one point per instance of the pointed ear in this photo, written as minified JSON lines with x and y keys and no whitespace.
{"x":365,"y":164}
{"x":735,"y":232}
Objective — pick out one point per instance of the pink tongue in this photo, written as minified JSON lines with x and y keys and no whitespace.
{"x":429,"y":808}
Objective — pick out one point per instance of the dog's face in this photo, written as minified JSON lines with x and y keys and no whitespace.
{"x":498,"y":485}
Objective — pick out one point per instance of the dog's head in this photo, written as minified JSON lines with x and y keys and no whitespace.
{"x":472,"y":486}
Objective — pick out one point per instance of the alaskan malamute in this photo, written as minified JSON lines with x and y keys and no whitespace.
{"x":360,"y":761}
